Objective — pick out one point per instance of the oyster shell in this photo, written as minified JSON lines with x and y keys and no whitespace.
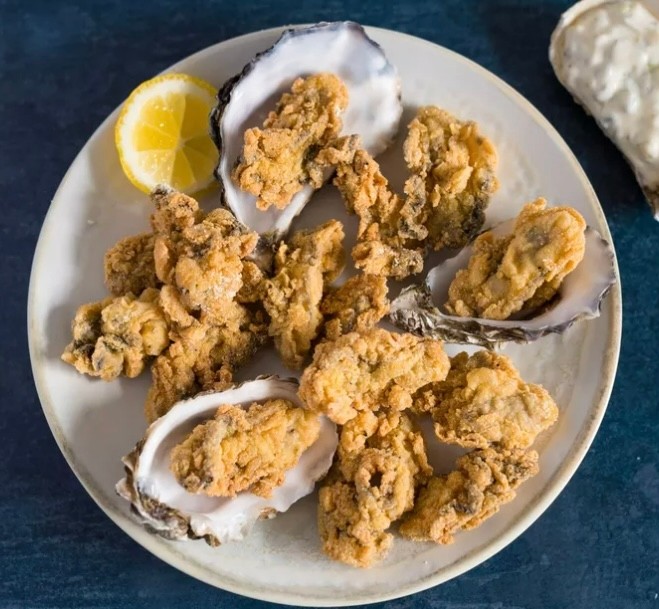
{"x":639,"y":143}
{"x":417,"y":308}
{"x":166,"y":508}
{"x":343,"y":48}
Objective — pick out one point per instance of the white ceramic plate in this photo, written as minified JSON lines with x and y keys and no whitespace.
{"x":95,"y":423}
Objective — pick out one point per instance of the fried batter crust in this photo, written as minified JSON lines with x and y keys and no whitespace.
{"x":521,"y":271}
{"x":203,"y":356}
{"x":253,"y":288}
{"x":303,"y":268}
{"x":278,"y":160}
{"x":117,"y":335}
{"x":359,"y":304}
{"x":452,"y":167}
{"x":129,"y":266}
{"x":380,"y":462}
{"x":244,"y":449}
{"x":199,"y":256}
{"x":483,"y":481}
{"x":204,"y":321}
{"x":483,"y":402}
{"x":366,"y":371}
{"x":453,"y":176}
{"x":385,"y":244}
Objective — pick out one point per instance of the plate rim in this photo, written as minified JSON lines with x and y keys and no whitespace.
{"x":534,"y":510}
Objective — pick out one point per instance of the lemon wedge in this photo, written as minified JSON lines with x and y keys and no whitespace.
{"x":162,"y":134}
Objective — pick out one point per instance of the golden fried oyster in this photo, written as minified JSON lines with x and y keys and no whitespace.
{"x":453,"y":176}
{"x":483,"y":481}
{"x":117,"y":336}
{"x":201,"y":257}
{"x":203,"y":356}
{"x":278,"y":160}
{"x":359,"y":304}
{"x":366,"y":371}
{"x":244,"y":449}
{"x":204,"y":321}
{"x":303,"y":268}
{"x":484,"y":402}
{"x":129,"y":266}
{"x":254,"y":284}
{"x":523,"y":270}
{"x":452,"y":180}
{"x":381,"y":460}
{"x":386,"y":245}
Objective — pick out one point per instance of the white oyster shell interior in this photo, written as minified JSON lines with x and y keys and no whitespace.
{"x":342,"y":48}
{"x":225,"y":519}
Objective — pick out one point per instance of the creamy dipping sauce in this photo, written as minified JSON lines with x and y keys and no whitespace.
{"x":610,"y":61}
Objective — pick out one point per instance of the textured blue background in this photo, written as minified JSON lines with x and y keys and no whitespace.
{"x":63,"y":67}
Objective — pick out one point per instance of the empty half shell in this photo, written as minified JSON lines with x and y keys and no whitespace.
{"x":341,"y":48}
{"x":606,"y":54}
{"x":419,"y":308}
{"x":166,"y":508}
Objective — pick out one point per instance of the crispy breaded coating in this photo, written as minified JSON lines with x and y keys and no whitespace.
{"x":452,"y":180}
{"x":380,"y":462}
{"x":204,"y":321}
{"x":203,"y":356}
{"x":523,"y":270}
{"x":174,"y":212}
{"x":483,"y":481}
{"x":453,"y":176}
{"x":129,"y":266}
{"x":199,"y":256}
{"x":384,"y":245}
{"x":359,"y":304}
{"x":117,"y":336}
{"x":484,"y":402}
{"x":278,"y":160}
{"x":303,"y":268}
{"x":366,"y":371}
{"x":244,"y":449}
{"x":254,"y":287}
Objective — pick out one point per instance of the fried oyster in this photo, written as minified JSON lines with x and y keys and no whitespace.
{"x":452,"y":179}
{"x":201,"y":260}
{"x":453,"y":176}
{"x":366,"y":371}
{"x":278,"y":160}
{"x":129,"y":265}
{"x":483,"y":481}
{"x":358,"y":305}
{"x":203,"y":356}
{"x":381,"y":461}
{"x":303,"y":268}
{"x":521,"y":271}
{"x":483,"y":402}
{"x":117,"y":336}
{"x":386,"y":243}
{"x":201,"y":257}
{"x":244,"y":449}
{"x":204,"y":321}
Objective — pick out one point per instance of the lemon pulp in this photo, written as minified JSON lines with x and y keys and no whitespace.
{"x":162,"y":134}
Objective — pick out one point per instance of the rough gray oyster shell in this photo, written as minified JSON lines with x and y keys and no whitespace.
{"x":164,"y":507}
{"x":342,"y":48}
{"x":418,"y":307}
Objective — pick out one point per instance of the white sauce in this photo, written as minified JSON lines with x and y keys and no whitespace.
{"x":610,"y":62}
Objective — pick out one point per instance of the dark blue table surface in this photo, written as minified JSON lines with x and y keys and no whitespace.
{"x":64,"y":65}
